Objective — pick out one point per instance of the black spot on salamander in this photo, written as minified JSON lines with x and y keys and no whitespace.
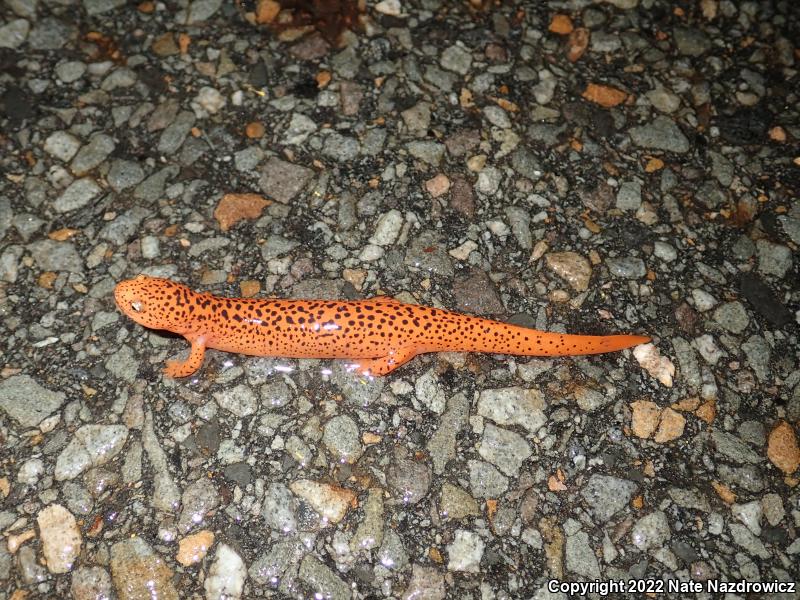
{"x":224,"y":313}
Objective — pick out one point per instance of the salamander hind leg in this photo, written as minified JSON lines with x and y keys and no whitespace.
{"x":177,"y":368}
{"x":384,"y":365}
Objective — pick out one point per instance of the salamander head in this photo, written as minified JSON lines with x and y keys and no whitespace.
{"x":155,"y":303}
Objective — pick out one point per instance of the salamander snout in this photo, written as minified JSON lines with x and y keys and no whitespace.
{"x":148,"y":301}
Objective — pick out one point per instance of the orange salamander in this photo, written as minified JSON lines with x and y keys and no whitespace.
{"x":379,"y":334}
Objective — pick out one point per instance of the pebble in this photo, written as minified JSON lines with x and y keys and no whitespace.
{"x":477,"y":293}
{"x":664,"y":100}
{"x":97,"y":7}
{"x":175,"y":133}
{"x":773,"y":259}
{"x":329,"y":501}
{"x":14,"y":33}
{"x":388,"y":228}
{"x":690,"y":42}
{"x":341,"y":437}
{"x":426,"y":583}
{"x":239,"y":400}
{"x":322,"y":582}
{"x":199,"y":499}
{"x":409,"y":479}
{"x":282,"y":181}
{"x":580,"y":557}
{"x":70,"y":71}
{"x":92,"y":154}
{"x":703,"y":301}
{"x":650,"y":359}
{"x":429,"y":392}
{"x":62,"y":145}
{"x":520,"y":221}
{"x":119,"y":78}
{"x":442,"y":444}
{"x":80,"y":193}
{"x":50,"y":33}
{"x":279,"y":509}
{"x":513,"y":406}
{"x":426,"y":253}
{"x":456,"y":503}
{"x":26,"y":401}
{"x":606,"y":495}
{"x":626,"y":267}
{"x":629,"y":195}
{"x":340,"y":147}
{"x":504,"y":449}
{"x":438,"y":185}
{"x":299,"y":130}
{"x":90,"y":446}
{"x":51,"y":255}
{"x":571,"y":267}
{"x":226,"y":576}
{"x":782,"y":448}
{"x":485,"y":480}
{"x":489,"y":180}
{"x":138,"y":572}
{"x":426,"y":151}
{"x":456,"y":58}
{"x":734,"y":448}
{"x":661,"y":134}
{"x":199,"y":11}
{"x":60,"y":536}
{"x":91,"y":583}
{"x":665,"y":252}
{"x":750,"y":514}
{"x":465,"y":552}
{"x":732,"y":317}
{"x":708,"y":349}
{"x":208,"y":101}
{"x":758,"y":356}
{"x":651,"y":531}
{"x":124,"y":174}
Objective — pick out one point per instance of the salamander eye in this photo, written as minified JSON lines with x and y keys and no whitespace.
{"x":136,"y":306}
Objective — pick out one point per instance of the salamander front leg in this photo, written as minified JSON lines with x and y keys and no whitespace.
{"x":384,"y":364}
{"x":176,"y":368}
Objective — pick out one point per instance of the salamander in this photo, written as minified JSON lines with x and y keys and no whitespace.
{"x":378,"y":334}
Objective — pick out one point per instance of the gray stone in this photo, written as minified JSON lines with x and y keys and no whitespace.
{"x":173,"y":136}
{"x":50,"y":34}
{"x":123,"y":364}
{"x":239,"y":400}
{"x":62,"y":145}
{"x":426,"y":583}
{"x":485,"y":480}
{"x":80,"y":193}
{"x":580,"y":557}
{"x":340,"y":147}
{"x":90,"y":446}
{"x":626,"y":267}
{"x":427,"y":253}
{"x":71,"y":70}
{"x":442,"y":444}
{"x":456,"y":58}
{"x":651,"y":532}
{"x":758,"y":356}
{"x":690,"y":498}
{"x":409,"y":479}
{"x":14,"y":33}
{"x":341,"y":437}
{"x":504,"y":449}
{"x":283,"y":180}
{"x":300,"y":127}
{"x":606,"y":495}
{"x":322,"y":582}
{"x":691,"y":42}
{"x":198,"y":500}
{"x":124,"y":174}
{"x":734,"y":448}
{"x":629,"y":195}
{"x":426,"y":151}
{"x":513,"y":406}
{"x":28,"y":402}
{"x":465,"y":552}
{"x":98,"y":7}
{"x":6,"y":214}
{"x":346,"y":63}
{"x":276,"y":246}
{"x":92,"y":154}
{"x":732,"y":317}
{"x":51,"y":255}
{"x":520,"y":221}
{"x":199,"y":11}
{"x":773,"y":259}
{"x":661,"y":134}
{"x":122,"y":229}
{"x":526,"y":164}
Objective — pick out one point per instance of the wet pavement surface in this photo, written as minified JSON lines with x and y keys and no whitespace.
{"x":590,"y":167}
